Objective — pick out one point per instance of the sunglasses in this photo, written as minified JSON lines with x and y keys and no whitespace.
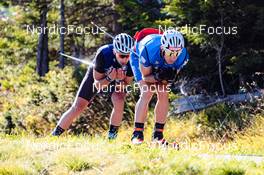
{"x":123,"y":56}
{"x":170,"y":53}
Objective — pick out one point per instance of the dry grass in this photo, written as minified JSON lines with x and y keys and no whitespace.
{"x":85,"y":155}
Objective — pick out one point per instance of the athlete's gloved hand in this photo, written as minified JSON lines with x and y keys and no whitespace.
{"x":167,"y":74}
{"x":121,"y":75}
{"x":112,"y":73}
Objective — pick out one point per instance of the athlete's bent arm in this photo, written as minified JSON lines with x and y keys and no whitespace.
{"x":100,"y":80}
{"x":147,"y":74}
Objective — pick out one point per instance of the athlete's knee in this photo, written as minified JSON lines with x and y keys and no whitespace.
{"x":118,"y":98}
{"x":163,"y":96}
{"x":146,"y":96}
{"x":79,"y":105}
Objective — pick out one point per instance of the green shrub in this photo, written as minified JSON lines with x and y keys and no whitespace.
{"x":35,"y":103}
{"x":225,"y":120}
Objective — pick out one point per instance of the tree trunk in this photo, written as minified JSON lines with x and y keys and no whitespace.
{"x":62,"y":24}
{"x":42,"y":53}
{"x":220,"y":74}
{"x":76,"y":53}
{"x":116,"y":26}
{"x":219,"y":57}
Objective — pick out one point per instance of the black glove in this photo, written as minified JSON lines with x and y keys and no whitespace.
{"x":167,"y":74}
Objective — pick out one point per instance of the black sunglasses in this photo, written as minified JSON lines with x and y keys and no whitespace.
{"x":123,"y":56}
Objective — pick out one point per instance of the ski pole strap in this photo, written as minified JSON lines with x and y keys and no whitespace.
{"x":108,"y":79}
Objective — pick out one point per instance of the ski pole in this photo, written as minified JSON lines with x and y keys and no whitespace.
{"x":105,"y":32}
{"x":77,"y":59}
